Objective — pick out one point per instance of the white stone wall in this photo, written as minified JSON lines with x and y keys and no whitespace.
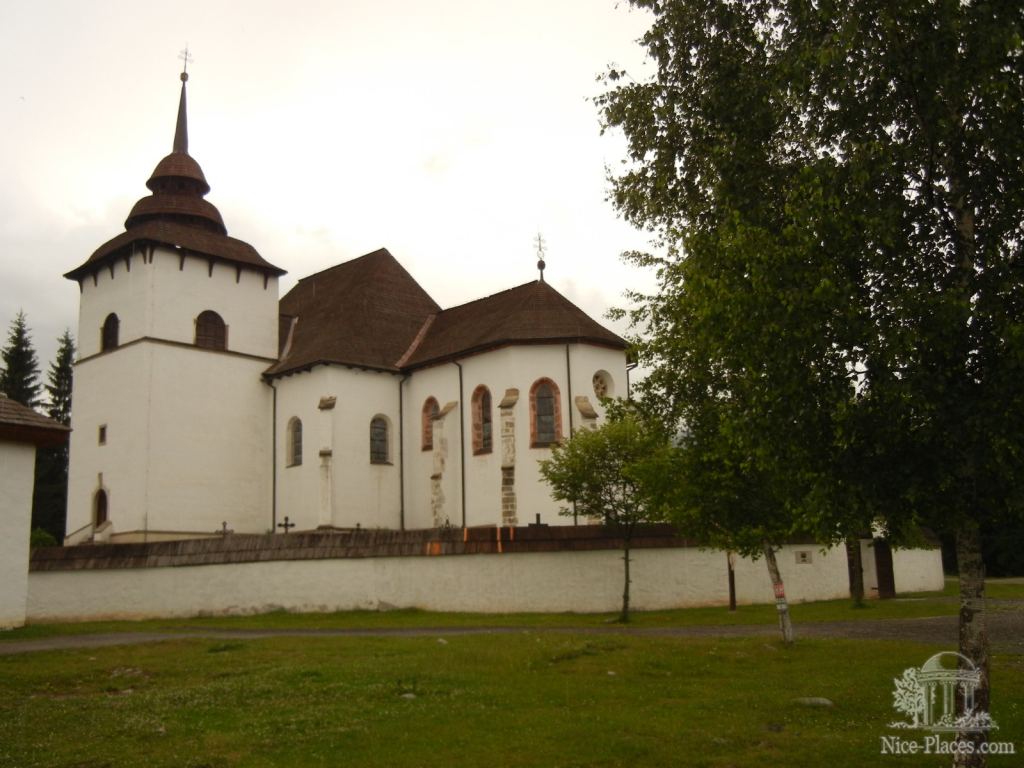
{"x":17,"y":472}
{"x":188,"y":440}
{"x":917,"y":570}
{"x":573,"y":582}
{"x":162,"y":300}
{"x":360,"y":492}
{"x":516,"y":367}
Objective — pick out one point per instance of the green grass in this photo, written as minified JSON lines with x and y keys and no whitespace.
{"x":525,"y":699}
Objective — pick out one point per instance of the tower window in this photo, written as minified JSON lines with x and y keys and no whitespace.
{"x":109,"y":334}
{"x":545,"y":413}
{"x":293,"y":451}
{"x":481,"y":403}
{"x":378,"y":440}
{"x":211,"y":333}
{"x":431,"y":410}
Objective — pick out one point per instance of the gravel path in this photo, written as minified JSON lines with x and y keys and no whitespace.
{"x":1005,"y":626}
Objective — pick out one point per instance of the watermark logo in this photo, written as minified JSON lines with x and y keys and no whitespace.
{"x":938,"y":697}
{"x":928,"y":696}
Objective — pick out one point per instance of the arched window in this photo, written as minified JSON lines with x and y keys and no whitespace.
{"x":481,"y":403}
{"x":431,"y":410}
{"x":211,"y":332}
{"x":99,"y":508}
{"x":545,"y":413}
{"x":109,"y":335}
{"x":293,"y":449}
{"x":379,"y":440}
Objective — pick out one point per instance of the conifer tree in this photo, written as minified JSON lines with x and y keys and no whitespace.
{"x":19,"y":376}
{"x":49,"y":501}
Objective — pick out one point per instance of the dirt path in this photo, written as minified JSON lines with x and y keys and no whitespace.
{"x":1006,"y":632}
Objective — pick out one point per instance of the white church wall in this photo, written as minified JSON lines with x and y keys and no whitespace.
{"x":210,"y":416}
{"x":112,"y":392}
{"x":356,"y":491}
{"x":162,"y":300}
{"x":442,"y":383}
{"x":187,"y":441}
{"x":512,"y":367}
{"x":494,"y":583}
{"x":17,"y":471}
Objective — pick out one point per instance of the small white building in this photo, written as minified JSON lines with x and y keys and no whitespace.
{"x":202,"y":401}
{"x":22,"y":431}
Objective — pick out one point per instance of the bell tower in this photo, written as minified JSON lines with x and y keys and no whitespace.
{"x":177,"y":321}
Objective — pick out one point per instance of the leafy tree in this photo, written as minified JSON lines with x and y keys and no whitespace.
{"x":19,"y":376}
{"x":49,"y":501}
{"x":851,"y":169}
{"x":612,"y":473}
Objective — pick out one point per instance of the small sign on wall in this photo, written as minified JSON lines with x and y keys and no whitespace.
{"x":803,"y":557}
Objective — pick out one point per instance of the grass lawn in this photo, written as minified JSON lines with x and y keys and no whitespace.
{"x":522,"y":699}
{"x":525,"y":699}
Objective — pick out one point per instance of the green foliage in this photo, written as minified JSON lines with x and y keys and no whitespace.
{"x":41,"y":538}
{"x":49,"y":499}
{"x":839,"y":323}
{"x":19,"y":375}
{"x":610,"y":473}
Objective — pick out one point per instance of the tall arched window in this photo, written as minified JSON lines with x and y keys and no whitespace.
{"x":482,"y":442}
{"x":211,"y":332}
{"x":431,"y":410}
{"x":379,"y":440}
{"x":293,"y":449}
{"x":99,"y":508}
{"x":109,"y":334}
{"x":545,"y":413}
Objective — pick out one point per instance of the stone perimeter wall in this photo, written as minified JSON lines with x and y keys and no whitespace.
{"x":487,"y":570}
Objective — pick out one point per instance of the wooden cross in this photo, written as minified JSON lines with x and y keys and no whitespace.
{"x":286,"y":524}
{"x":224,"y":530}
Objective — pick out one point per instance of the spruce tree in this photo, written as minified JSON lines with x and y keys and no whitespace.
{"x":49,"y":501}
{"x":19,"y":377}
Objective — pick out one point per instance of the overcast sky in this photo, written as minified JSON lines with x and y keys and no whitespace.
{"x":448,"y":131}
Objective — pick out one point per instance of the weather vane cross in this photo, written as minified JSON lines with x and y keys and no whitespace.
{"x":186,"y":59}
{"x":540,"y":256}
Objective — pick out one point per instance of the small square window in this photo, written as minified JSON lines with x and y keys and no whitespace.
{"x":803,"y":556}
{"x":103,"y":434}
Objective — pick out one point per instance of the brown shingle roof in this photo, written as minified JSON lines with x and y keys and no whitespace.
{"x":370,"y":312}
{"x":20,"y":424}
{"x":365,"y":312}
{"x":193,"y":239}
{"x":534,"y":313}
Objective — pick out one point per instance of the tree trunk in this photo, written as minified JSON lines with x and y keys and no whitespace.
{"x":785,"y":623}
{"x":973,"y":633}
{"x":856,"y":571}
{"x":624,"y":616}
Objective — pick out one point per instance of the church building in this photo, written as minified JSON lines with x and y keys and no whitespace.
{"x":204,"y":403}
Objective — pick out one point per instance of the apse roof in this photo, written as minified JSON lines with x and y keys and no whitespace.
{"x":370,"y":312}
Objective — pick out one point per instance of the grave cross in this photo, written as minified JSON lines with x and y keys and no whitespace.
{"x":224,"y":530}
{"x":286,"y":524}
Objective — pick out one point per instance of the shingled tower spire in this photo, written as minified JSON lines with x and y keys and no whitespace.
{"x":181,"y":129}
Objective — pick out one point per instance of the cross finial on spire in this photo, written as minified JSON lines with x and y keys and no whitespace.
{"x":181,"y":127}
{"x":540,"y":256}
{"x":186,"y":59}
